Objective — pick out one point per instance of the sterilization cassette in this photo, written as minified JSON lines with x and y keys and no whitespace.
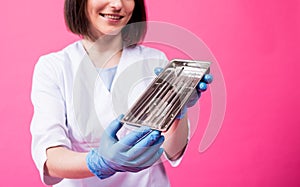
{"x":167,"y":94}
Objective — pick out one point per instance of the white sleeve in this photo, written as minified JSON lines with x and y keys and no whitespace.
{"x":48,"y":126}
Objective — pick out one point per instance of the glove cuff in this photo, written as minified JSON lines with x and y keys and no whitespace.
{"x":97,"y":165}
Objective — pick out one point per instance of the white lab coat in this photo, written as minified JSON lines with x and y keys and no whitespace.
{"x":72,"y":107}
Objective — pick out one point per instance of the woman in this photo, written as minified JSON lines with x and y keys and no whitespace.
{"x":65,"y":137}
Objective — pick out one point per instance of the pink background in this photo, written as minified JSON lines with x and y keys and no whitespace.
{"x":256,"y":45}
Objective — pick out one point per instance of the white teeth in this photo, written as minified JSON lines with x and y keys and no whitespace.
{"x":112,"y":16}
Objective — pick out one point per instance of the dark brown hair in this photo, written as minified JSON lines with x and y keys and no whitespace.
{"x":78,"y":23}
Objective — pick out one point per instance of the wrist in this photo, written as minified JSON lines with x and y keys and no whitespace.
{"x":97,"y":165}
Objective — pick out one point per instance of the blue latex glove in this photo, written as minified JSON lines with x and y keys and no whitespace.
{"x":201,"y":87}
{"x":136,"y":151}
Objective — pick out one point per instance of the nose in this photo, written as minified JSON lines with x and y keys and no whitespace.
{"x":116,"y":4}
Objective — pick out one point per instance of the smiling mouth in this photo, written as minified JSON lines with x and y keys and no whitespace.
{"x":112,"y":16}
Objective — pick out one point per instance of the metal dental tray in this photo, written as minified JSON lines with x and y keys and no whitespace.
{"x":158,"y":106}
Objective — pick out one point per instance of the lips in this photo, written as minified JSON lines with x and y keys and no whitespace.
{"x":112,"y":16}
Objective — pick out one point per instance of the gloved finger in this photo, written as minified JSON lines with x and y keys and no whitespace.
{"x":138,"y":166}
{"x":149,"y":139}
{"x":153,"y":158}
{"x":114,"y":127}
{"x":207,"y":78}
{"x":158,"y":70}
{"x":151,"y":142}
{"x":146,"y":154}
{"x":129,"y":140}
{"x":129,"y":169}
{"x":201,"y":87}
{"x":113,"y":165}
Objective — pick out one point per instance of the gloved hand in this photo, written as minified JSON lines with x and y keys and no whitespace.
{"x":136,"y":151}
{"x":201,"y":87}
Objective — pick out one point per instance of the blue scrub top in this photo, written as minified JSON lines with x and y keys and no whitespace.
{"x":107,"y":75}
